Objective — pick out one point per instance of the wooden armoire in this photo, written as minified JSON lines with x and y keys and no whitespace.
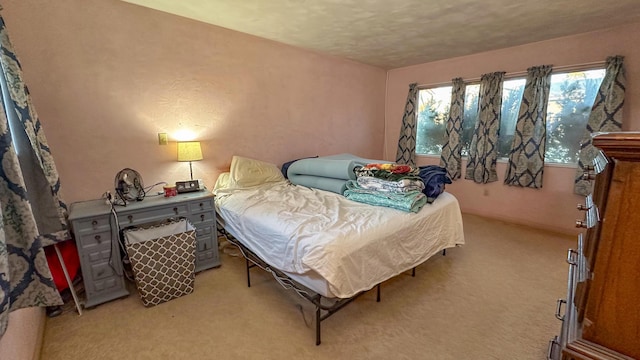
{"x":601,"y":318}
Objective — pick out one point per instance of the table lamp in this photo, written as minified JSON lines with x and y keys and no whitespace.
{"x":189,"y":151}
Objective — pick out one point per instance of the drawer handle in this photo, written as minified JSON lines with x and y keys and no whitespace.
{"x":588,"y":176}
{"x":201,"y":217}
{"x":100,"y":273}
{"x":175,"y":210}
{"x":94,"y":223}
{"x":98,"y":239}
{"x":130,"y":217}
{"x":552,"y":345}
{"x":201,"y":205}
{"x":559,"y":308}
{"x":570,"y":257}
{"x":583,"y":207}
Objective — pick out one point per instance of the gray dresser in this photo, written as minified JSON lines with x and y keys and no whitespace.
{"x":97,"y":237}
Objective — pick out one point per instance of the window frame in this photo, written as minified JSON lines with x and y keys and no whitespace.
{"x":511,"y":76}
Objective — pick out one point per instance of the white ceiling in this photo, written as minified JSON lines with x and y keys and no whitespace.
{"x":397,"y":33}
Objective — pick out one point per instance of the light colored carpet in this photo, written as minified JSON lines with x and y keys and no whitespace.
{"x":493,"y":298}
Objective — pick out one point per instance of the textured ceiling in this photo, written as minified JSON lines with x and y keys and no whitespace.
{"x":397,"y":33}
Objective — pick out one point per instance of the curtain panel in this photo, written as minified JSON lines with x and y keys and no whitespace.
{"x":451,"y":157}
{"x":605,"y":116}
{"x":407,"y":142}
{"x":33,"y":215}
{"x":526,"y":159}
{"x":483,"y":152}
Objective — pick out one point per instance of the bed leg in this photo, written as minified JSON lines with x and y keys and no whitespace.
{"x":317,"y":325}
{"x":413,"y":272}
{"x":378,"y":293}
{"x":248,"y":274}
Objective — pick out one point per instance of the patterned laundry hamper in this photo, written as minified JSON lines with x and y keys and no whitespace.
{"x":162,"y":260}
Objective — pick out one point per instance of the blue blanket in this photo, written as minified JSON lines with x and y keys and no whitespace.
{"x":337,"y":186}
{"x":328,"y":173}
{"x":327,"y":168}
{"x":434,"y":178}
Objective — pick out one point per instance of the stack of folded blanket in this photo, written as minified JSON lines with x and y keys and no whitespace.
{"x":329,"y":173}
{"x":391,"y":185}
{"x":370,"y":181}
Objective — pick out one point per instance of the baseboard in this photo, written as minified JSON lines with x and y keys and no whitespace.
{"x":517,"y":221}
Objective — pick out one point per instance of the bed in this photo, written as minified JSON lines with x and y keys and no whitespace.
{"x":326,"y":247}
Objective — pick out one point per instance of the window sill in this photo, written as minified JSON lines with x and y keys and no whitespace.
{"x":505,"y":160}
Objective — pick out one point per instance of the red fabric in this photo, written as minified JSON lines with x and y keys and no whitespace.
{"x":69,"y":253}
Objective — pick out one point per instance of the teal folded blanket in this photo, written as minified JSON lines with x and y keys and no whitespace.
{"x":328,"y":168}
{"x":328,"y":173}
{"x":411,"y":201}
{"x":337,"y":186}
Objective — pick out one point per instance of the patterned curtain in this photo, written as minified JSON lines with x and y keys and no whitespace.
{"x":451,"y":156}
{"x":32,"y":213}
{"x":407,"y":142}
{"x":483,"y":152}
{"x":606,"y":116}
{"x":526,"y":159}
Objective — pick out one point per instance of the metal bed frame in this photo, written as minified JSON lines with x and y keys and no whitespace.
{"x":324,"y":307}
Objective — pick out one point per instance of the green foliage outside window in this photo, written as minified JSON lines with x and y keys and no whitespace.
{"x":433,"y":113}
{"x":570,"y":100}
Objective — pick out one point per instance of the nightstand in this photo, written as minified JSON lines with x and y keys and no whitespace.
{"x":95,"y":229}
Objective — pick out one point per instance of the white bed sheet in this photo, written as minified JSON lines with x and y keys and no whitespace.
{"x":351,"y":246}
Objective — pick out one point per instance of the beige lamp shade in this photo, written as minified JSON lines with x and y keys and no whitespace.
{"x":189,"y":151}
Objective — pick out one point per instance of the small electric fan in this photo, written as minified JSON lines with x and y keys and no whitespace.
{"x":129,"y":186}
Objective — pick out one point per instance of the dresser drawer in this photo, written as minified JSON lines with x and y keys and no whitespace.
{"x":204,"y":231}
{"x":99,"y":254}
{"x":105,"y":287}
{"x":202,"y":219}
{"x":204,"y":243}
{"x":89,"y":241}
{"x":152,"y":215}
{"x":101,"y":270}
{"x":106,"y":284}
{"x":91,"y":225}
{"x":202,"y":205}
{"x":207,"y":252}
{"x":208,"y":255}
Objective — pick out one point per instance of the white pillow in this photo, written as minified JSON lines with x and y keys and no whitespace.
{"x":247,"y":172}
{"x":223,"y":182}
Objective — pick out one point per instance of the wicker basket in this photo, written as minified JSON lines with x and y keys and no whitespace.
{"x":162,"y":260}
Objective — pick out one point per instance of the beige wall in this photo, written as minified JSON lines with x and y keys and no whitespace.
{"x":23,"y":338}
{"x":552,"y":207}
{"x":106,"y":76}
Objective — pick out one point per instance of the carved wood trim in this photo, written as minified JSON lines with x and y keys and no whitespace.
{"x":586,"y":350}
{"x":619,"y":145}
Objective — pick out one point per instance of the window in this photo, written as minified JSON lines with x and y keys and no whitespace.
{"x":570,"y":100}
{"x":433,"y":113}
{"x":470,"y":115}
{"x":512,"y":90}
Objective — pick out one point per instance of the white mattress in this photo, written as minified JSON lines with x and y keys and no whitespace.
{"x":333,"y":245}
